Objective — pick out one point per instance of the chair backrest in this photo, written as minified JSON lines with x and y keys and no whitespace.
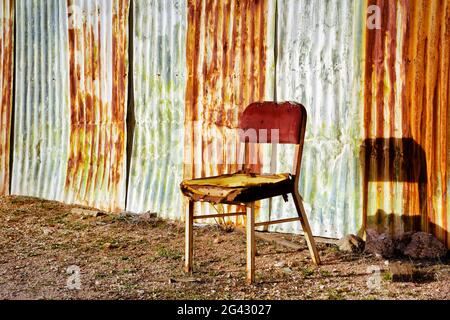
{"x":271,"y":122}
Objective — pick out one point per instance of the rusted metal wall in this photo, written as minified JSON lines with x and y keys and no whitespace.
{"x":159,"y":75}
{"x":41,"y":125}
{"x":320,"y":64}
{"x":98,"y":42}
{"x":6,"y":85}
{"x":405,"y":154}
{"x":230,"y":63}
{"x":377,"y":144}
{"x":71,"y":89}
{"x":197,"y":65}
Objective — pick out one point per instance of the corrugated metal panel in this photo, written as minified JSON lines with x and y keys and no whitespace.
{"x":6,"y":81}
{"x":71,"y":82}
{"x":98,"y":42}
{"x":41,"y":127}
{"x":407,"y":105}
{"x":320,"y":55}
{"x":159,"y":68}
{"x":230,"y":61}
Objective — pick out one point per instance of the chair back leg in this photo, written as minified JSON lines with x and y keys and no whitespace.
{"x":306,"y":228}
{"x":189,"y":238}
{"x":251,"y":244}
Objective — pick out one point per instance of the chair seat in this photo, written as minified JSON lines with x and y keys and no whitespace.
{"x":238,"y":188}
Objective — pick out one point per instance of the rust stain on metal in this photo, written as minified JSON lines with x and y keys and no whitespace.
{"x":406,"y":116}
{"x":6,"y":80}
{"x":97,"y":95}
{"x":226,"y":65}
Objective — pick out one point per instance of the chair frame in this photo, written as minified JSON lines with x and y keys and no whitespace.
{"x":250,"y":207}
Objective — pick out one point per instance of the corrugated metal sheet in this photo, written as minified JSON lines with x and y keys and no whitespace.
{"x":230,"y":62}
{"x":377,"y":145}
{"x":208,"y":61}
{"x":41,"y":128}
{"x":159,"y":69}
{"x":320,"y":55}
{"x":98,"y":42}
{"x":6,"y":84}
{"x":71,"y":82}
{"x":406,"y":119}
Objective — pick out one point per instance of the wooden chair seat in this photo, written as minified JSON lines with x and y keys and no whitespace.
{"x":238,"y":188}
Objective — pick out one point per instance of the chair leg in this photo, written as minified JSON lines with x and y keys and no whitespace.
{"x":251,"y":245}
{"x":306,"y":228}
{"x":189,"y":238}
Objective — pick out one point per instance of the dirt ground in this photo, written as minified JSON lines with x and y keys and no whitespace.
{"x":121,"y":257}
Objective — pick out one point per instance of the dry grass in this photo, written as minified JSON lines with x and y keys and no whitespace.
{"x":122,"y":258}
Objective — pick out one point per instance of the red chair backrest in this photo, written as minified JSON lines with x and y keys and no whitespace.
{"x":260,"y":118}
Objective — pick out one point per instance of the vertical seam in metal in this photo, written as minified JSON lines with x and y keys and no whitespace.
{"x":131,"y":119}
{"x":12,"y":101}
{"x":275,"y":53}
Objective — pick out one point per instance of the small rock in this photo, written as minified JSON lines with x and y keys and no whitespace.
{"x":109,"y":246}
{"x":402,"y":242}
{"x":218,"y":240}
{"x":351,"y":243}
{"x":287,"y":270}
{"x":87,"y":213}
{"x":380,"y":245}
{"x":148,"y":216}
{"x":280,"y":264}
{"x":47,"y":231}
{"x":425,"y":246}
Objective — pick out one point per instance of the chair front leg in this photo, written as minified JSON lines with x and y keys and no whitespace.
{"x":306,"y":228}
{"x":251,"y":244}
{"x":189,"y":238}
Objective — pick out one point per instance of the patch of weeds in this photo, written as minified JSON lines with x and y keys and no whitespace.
{"x":33,"y":254}
{"x":334,"y":294}
{"x":164,"y":252}
{"x":325,"y":273}
{"x":387,"y":276}
{"x":56,"y":246}
{"x":101,"y":275}
{"x":129,"y":271}
{"x":214,"y":273}
{"x":333,"y":248}
{"x":129,"y":286}
{"x":78,"y":226}
{"x":307,"y":272}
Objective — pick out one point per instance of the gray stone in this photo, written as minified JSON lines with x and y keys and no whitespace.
{"x":425,"y":246}
{"x":351,"y":243}
{"x":380,"y":245}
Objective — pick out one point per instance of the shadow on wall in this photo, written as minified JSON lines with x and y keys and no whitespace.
{"x":394,"y":160}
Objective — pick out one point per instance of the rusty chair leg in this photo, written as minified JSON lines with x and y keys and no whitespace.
{"x":189,"y":238}
{"x":306,"y":228}
{"x":251,"y":244}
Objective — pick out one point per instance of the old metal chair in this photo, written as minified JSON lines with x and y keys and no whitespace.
{"x":265,"y":122}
